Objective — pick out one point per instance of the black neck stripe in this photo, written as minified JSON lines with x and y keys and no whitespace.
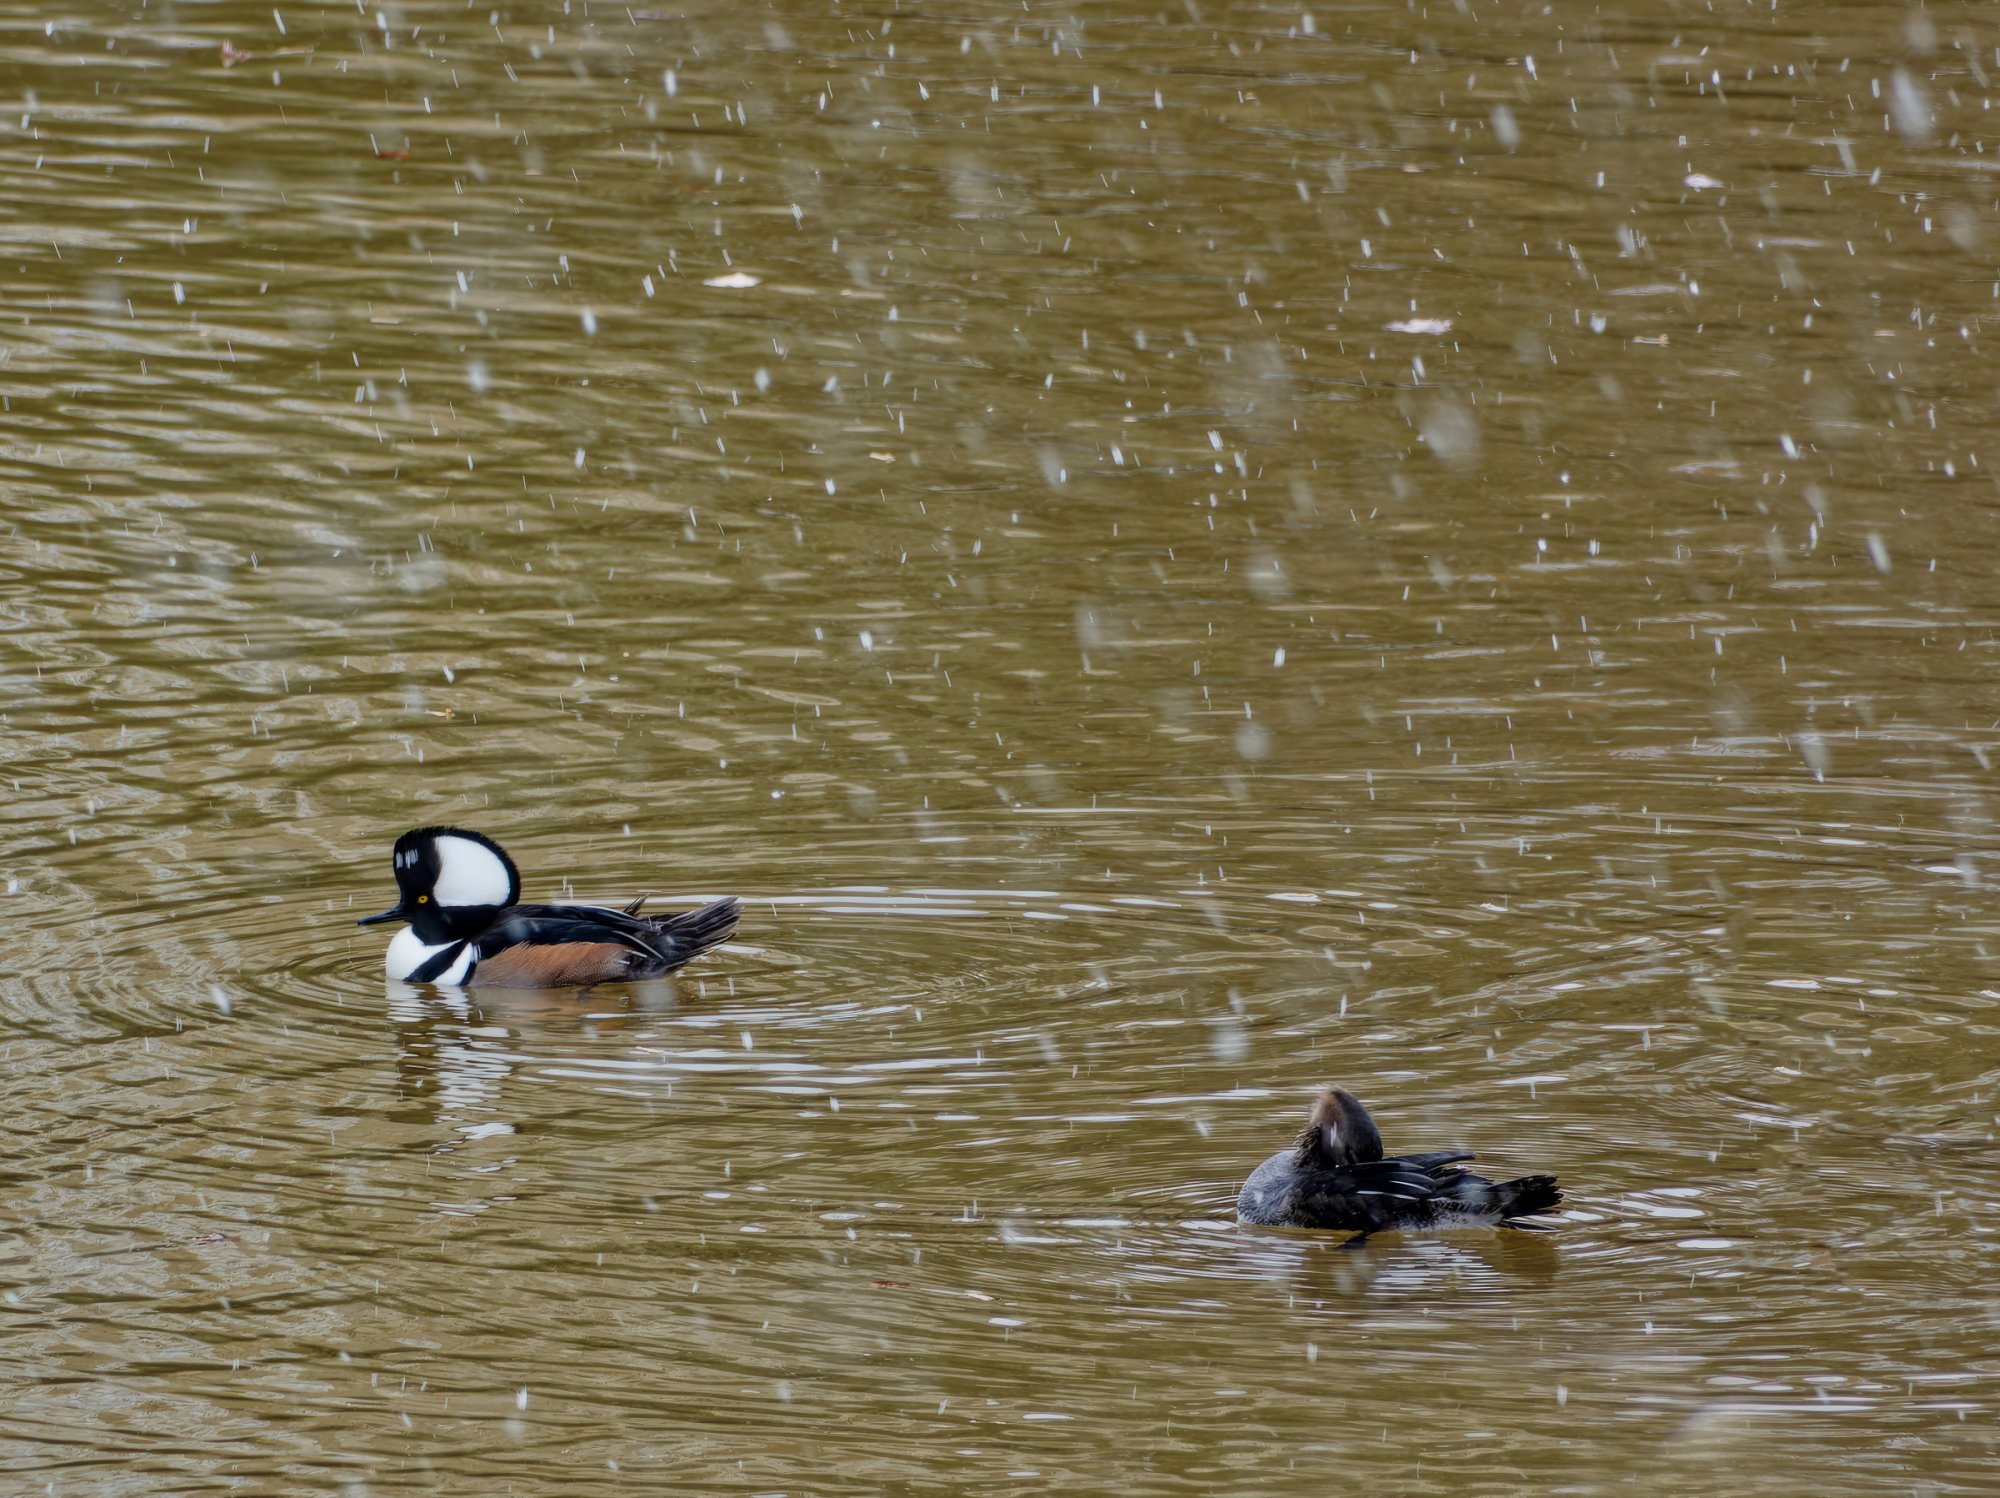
{"x":438,"y":963}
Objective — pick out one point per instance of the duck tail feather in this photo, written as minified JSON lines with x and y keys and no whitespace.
{"x":696,"y":931}
{"x":1527,"y":1196}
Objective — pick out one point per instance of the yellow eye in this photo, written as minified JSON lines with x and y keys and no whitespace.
{"x":423,"y":899}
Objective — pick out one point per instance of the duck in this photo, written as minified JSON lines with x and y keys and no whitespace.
{"x":1335,"y":1175}
{"x":460,"y":895}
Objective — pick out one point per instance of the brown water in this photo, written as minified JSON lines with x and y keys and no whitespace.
{"x":1170,"y":555}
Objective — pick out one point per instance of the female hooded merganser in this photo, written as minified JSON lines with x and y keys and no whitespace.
{"x":459,"y":891}
{"x":1336,"y":1176}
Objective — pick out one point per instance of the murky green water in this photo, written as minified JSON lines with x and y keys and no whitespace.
{"x":1170,"y":555}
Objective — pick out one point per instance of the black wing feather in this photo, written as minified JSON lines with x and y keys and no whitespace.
{"x":1362,"y":1198}
{"x":668,"y":941}
{"x":1436,"y":1158}
{"x":547,"y":925}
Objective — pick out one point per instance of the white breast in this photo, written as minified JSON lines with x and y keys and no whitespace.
{"x":407,"y":954}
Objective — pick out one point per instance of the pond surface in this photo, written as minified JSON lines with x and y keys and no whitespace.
{"x":1170,"y":554}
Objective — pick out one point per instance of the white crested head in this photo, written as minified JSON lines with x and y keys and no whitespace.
{"x":470,"y":873}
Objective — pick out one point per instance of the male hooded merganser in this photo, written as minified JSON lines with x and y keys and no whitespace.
{"x":1336,"y":1176}
{"x":459,"y":891}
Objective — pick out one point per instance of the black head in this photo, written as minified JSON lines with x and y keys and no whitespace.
{"x":1341,"y":1132}
{"x":453,"y":883}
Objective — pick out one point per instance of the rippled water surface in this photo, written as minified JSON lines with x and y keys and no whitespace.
{"x":1170,"y":554}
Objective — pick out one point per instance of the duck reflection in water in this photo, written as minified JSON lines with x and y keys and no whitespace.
{"x":450,"y":1064}
{"x":456,"y":1049}
{"x":1336,"y":1176}
{"x":1397,"y":1266}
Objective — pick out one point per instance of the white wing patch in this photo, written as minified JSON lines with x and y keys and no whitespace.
{"x":469,"y":873}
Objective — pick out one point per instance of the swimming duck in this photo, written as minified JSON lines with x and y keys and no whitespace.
{"x":459,"y":892}
{"x":1335,"y":1175}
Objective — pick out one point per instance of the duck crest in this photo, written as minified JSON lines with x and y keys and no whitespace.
{"x":472,"y":871}
{"x":456,"y":867}
{"x":1340,"y":1132}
